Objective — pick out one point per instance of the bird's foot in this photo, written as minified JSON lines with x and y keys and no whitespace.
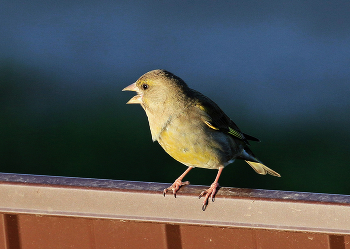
{"x":176,"y":186}
{"x":210,"y":192}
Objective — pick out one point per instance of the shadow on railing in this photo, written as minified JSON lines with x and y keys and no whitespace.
{"x":65,"y":212}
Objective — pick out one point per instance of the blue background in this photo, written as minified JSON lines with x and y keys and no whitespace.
{"x":279,"y":69}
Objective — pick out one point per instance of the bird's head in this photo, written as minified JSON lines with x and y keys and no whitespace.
{"x":157,"y":87}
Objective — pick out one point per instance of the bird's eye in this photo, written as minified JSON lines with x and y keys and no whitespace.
{"x":144,"y":86}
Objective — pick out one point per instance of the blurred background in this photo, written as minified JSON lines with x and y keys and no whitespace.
{"x":279,"y":69}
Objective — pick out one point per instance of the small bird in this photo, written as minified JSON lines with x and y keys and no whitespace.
{"x":191,"y":128}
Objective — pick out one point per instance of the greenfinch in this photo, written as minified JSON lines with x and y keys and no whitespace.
{"x":191,"y":128}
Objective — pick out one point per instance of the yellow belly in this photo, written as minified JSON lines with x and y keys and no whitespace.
{"x":197,"y":147}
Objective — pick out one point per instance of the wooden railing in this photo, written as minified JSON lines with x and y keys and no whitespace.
{"x":64,"y":212}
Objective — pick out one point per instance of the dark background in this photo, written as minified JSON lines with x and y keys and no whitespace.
{"x":279,"y":69}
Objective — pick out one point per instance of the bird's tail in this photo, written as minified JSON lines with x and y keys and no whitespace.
{"x":262,"y":169}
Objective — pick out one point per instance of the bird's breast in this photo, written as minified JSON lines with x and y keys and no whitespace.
{"x":193,"y":143}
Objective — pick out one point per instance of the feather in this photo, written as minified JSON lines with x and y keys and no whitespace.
{"x":262,"y":169}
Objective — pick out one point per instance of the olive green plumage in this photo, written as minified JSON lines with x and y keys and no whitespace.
{"x":189,"y":126}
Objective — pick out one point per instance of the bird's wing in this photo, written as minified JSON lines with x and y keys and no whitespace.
{"x":216,"y":119}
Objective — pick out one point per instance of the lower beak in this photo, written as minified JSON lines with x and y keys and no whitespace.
{"x":137,"y":99}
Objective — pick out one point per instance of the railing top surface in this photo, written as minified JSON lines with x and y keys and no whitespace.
{"x":155,"y":187}
{"x":143,"y":201}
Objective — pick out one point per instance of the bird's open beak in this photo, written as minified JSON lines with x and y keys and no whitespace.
{"x":137,"y":98}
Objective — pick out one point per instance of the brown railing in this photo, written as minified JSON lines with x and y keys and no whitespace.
{"x":63,"y":212}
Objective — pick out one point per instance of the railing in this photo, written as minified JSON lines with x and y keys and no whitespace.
{"x":63,"y":212}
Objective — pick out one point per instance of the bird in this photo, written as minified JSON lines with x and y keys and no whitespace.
{"x":192,"y":128}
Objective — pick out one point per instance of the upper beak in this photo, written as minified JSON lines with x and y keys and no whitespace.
{"x":137,"y":98}
{"x":131,"y":87}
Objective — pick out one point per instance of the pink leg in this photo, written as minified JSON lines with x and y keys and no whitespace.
{"x":210,"y":192}
{"x":178,"y":183}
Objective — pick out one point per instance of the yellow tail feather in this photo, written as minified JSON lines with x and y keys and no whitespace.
{"x":262,"y":169}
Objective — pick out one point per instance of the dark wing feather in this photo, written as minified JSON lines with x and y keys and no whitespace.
{"x":216,"y":119}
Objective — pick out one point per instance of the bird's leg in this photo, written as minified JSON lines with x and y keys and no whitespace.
{"x":210,"y":192}
{"x":178,"y":183}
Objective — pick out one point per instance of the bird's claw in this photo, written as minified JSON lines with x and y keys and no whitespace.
{"x":210,"y":192}
{"x":175,"y":187}
{"x":204,"y":206}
